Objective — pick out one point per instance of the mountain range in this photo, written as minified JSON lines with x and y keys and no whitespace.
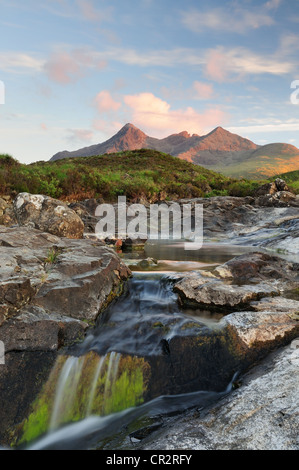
{"x":219,"y":150}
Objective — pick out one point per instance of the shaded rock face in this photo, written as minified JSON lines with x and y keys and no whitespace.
{"x":51,"y":288}
{"x":48,"y":215}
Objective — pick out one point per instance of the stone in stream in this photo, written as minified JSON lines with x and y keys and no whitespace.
{"x":239,"y":282}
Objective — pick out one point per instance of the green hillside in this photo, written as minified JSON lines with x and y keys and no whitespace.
{"x":260,"y":166}
{"x":138,"y":174}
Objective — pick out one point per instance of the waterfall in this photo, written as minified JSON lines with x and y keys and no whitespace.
{"x":69,"y":395}
{"x":85,"y":386}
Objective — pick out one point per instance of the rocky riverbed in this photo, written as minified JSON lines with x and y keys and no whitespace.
{"x":56,"y":278}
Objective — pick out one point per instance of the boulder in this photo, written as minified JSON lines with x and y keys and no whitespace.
{"x":257,"y":267}
{"x":259,"y":331}
{"x":48,"y":215}
{"x":7,"y":216}
{"x":272,"y":188}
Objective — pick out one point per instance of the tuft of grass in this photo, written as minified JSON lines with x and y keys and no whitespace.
{"x":53,"y":254}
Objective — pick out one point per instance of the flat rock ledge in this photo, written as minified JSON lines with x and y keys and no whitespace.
{"x":52,"y":288}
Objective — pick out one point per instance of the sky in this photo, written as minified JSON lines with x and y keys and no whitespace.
{"x":73,"y":72}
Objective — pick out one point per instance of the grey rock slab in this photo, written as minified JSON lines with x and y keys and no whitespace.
{"x":262,"y":414}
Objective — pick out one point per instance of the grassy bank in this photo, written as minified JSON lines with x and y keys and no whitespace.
{"x":138,"y":174}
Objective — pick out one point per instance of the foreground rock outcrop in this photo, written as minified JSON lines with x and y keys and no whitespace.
{"x":51,"y":289}
{"x":262,"y":414}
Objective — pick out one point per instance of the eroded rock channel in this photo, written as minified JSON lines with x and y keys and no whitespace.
{"x":88,"y":331}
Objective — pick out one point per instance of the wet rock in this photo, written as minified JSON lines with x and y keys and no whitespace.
{"x":147,"y":263}
{"x":36,"y":330}
{"x":262,"y":414}
{"x":48,"y":215}
{"x":239,"y":282}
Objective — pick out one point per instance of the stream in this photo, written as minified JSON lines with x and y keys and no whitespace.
{"x":121,"y":383}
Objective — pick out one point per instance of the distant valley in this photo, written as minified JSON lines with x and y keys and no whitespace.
{"x":220,"y":151}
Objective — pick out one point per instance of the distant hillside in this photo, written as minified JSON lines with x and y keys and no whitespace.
{"x":220,"y":150}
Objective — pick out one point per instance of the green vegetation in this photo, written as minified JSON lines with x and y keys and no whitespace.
{"x":93,"y":387}
{"x":139,"y":175}
{"x":52,"y":256}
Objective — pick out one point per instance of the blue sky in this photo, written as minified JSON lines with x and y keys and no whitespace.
{"x":76,"y":71}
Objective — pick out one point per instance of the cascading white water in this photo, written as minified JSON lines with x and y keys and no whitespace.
{"x":94,"y":385}
{"x":71,"y":375}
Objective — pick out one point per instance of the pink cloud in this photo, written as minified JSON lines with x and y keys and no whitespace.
{"x":90,"y":13}
{"x":66,"y":67}
{"x":105,"y":103}
{"x":63,"y":68}
{"x":216,"y":66}
{"x":204,"y":91}
{"x":156,"y":116}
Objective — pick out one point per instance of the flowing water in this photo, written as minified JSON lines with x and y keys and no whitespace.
{"x":105,"y":384}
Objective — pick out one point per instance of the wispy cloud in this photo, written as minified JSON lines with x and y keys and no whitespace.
{"x":97,"y":15}
{"x":230,"y":18}
{"x":267,"y":125}
{"x":20,"y":62}
{"x":66,"y":67}
{"x":230,"y":64}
